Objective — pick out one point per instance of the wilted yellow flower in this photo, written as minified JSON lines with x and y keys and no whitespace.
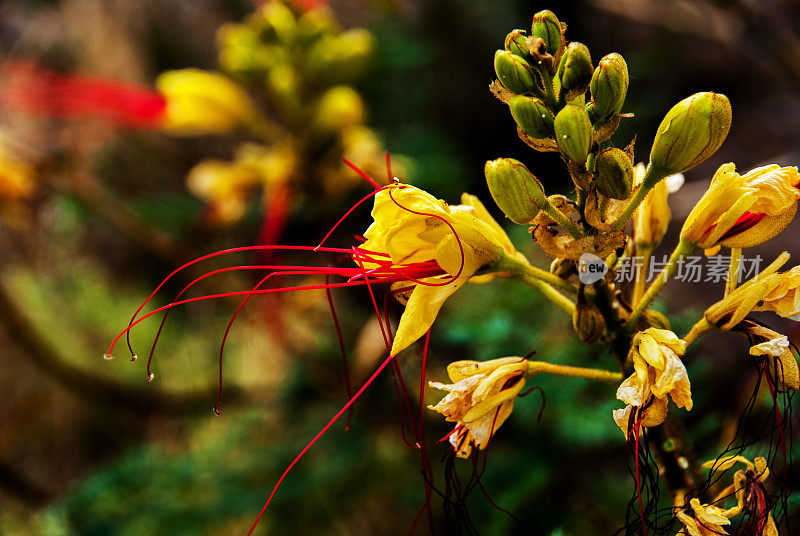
{"x":743,"y":210}
{"x":201,"y":102}
{"x":651,"y":219}
{"x":705,"y":520}
{"x":778,"y":350}
{"x":658,"y":372}
{"x":439,"y":246}
{"x":769,"y":291}
{"x":480,"y":399}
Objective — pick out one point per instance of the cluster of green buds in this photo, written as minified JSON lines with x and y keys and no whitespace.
{"x":302,"y":65}
{"x":561,"y":102}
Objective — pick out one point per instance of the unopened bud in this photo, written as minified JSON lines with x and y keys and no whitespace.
{"x":656,"y":319}
{"x":563,"y":268}
{"x":339,"y":108}
{"x":614,"y":172}
{"x":690,"y":132}
{"x":516,"y":191}
{"x":276,"y":22}
{"x":609,"y":86}
{"x":573,"y":132}
{"x":342,"y":57}
{"x":517,"y":44}
{"x":532,"y":116}
{"x":514,"y":73}
{"x":587,"y":320}
{"x":548,"y":29}
{"x":575,"y":71}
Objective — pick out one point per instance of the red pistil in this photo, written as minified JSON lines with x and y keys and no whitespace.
{"x":42,"y":92}
{"x":747,"y":221}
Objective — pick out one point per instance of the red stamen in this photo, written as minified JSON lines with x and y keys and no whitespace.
{"x":389,"y":174}
{"x":363,"y":175}
{"x":42,"y":92}
{"x":341,"y":350}
{"x":346,"y":214}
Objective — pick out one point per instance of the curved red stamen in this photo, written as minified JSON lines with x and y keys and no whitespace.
{"x":346,"y":214}
{"x":363,"y":175}
{"x":42,"y":92}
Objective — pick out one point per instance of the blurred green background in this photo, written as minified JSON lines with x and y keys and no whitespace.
{"x":88,"y":447}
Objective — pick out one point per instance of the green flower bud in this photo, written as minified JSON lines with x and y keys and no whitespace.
{"x":614,"y":171}
{"x":575,"y":71}
{"x":573,"y":132}
{"x":548,"y":29}
{"x":532,"y":116}
{"x":275,"y":20}
{"x":690,"y":132}
{"x":609,"y":86}
{"x":342,"y":57}
{"x":587,"y":320}
{"x":516,"y":191}
{"x":514,"y":72}
{"x":517,"y":44}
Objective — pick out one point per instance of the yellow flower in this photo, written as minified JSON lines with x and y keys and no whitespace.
{"x":17,"y":178}
{"x":651,"y":219}
{"x":744,"y":210}
{"x":658,"y":372}
{"x":747,"y":488}
{"x":769,"y":291}
{"x":202,"y":102}
{"x":437,"y":246}
{"x":480,"y":399}
{"x":224,"y":186}
{"x":777,"y":348}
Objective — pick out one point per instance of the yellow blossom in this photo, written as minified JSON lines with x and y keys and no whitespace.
{"x":658,"y":372}
{"x":705,"y":520}
{"x":743,"y":210}
{"x":413,"y":228}
{"x":16,"y":177}
{"x":769,"y":291}
{"x":224,"y":185}
{"x":480,"y":399}
{"x":202,"y":102}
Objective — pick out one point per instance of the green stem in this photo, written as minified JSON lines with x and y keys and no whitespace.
{"x":683,"y":249}
{"x":562,"y":220}
{"x":524,"y":271}
{"x":702,"y":327}
{"x":561,"y":301}
{"x":547,"y":80}
{"x":541,"y":367}
{"x":651,"y":178}
{"x":733,"y":270}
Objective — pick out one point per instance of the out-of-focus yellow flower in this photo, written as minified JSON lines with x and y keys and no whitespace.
{"x":17,"y":178}
{"x":769,"y":291}
{"x":658,"y":372}
{"x":480,"y":399}
{"x":414,"y":229}
{"x":780,"y":360}
{"x":744,"y":210}
{"x":747,"y":488}
{"x":202,"y":102}
{"x":340,"y":107}
{"x":224,"y":186}
{"x":651,"y":219}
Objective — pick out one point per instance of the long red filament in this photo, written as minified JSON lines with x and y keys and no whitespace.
{"x":42,"y":92}
{"x":363,"y":175}
{"x":342,"y":351}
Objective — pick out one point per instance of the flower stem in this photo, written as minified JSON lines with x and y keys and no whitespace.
{"x":651,"y":178}
{"x":683,"y":249}
{"x":564,"y":303}
{"x":547,"y":80}
{"x":541,"y":367}
{"x":698,"y":330}
{"x":733,"y":270}
{"x":562,"y":220}
{"x":643,"y":251}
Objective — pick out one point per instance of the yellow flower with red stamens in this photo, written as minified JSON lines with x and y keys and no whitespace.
{"x":449,"y":244}
{"x":480,"y":399}
{"x":658,"y":372}
{"x":741,"y":211}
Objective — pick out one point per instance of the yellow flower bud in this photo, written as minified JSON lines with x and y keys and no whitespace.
{"x":690,"y":132}
{"x":202,"y":102}
{"x":575,"y":71}
{"x":608,"y":87}
{"x":514,"y":188}
{"x":17,"y":178}
{"x":224,"y":186}
{"x":614,"y":171}
{"x":274,"y":20}
{"x":573,"y":133}
{"x":532,"y":116}
{"x":342,"y":57}
{"x":340,"y":107}
{"x":587,"y":320}
{"x":514,"y":73}
{"x":652,"y":217}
